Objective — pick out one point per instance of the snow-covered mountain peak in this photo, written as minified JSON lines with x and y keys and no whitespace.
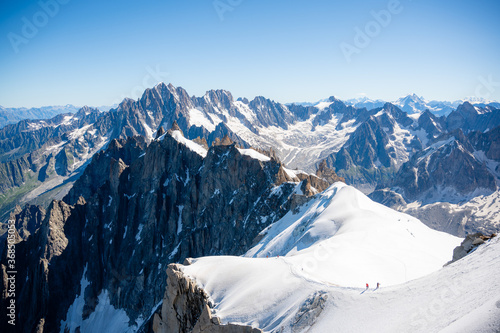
{"x":477,"y":100}
{"x":358,"y":99}
{"x":412,"y":103}
{"x":359,"y":240}
{"x":160,"y":84}
{"x":412,"y":98}
{"x":365,"y":102}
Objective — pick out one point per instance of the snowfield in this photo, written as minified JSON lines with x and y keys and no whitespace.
{"x":308,"y":273}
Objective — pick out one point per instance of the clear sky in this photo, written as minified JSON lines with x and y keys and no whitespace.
{"x":89,"y":52}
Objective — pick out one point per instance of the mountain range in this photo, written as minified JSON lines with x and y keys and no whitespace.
{"x":416,"y":104}
{"x":103,"y":202}
{"x":14,"y":115}
{"x":373,"y":149}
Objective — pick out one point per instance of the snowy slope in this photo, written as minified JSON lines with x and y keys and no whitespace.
{"x":328,"y":250}
{"x":362,"y":241}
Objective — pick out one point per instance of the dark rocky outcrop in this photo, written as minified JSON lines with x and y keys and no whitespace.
{"x":309,"y":311}
{"x":328,"y":174}
{"x":469,"y":244}
{"x":431,"y":124}
{"x":27,"y":221}
{"x":222,"y":131}
{"x":270,"y":113}
{"x":315,"y":184}
{"x":40,"y":291}
{"x":488,"y":142}
{"x":186,"y":308}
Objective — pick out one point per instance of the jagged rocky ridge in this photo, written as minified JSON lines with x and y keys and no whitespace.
{"x":41,"y":159}
{"x":137,"y":208}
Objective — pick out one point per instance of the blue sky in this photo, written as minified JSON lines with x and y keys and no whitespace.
{"x":98,"y":52}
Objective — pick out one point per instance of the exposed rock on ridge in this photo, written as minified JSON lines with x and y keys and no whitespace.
{"x":186,"y":308}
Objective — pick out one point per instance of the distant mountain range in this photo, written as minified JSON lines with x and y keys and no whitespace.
{"x":416,"y":104}
{"x":14,"y":115}
{"x":410,"y":104}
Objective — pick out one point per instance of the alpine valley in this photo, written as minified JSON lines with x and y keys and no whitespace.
{"x":289,"y":210}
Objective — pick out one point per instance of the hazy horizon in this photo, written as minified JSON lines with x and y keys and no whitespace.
{"x":251,"y":98}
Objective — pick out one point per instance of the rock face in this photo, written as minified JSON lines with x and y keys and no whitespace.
{"x":469,"y":244}
{"x":454,"y":182}
{"x":41,"y":293}
{"x":27,"y":221}
{"x":449,"y":164}
{"x":488,"y":143}
{"x":376,"y":149}
{"x":431,"y":124}
{"x":309,"y":311}
{"x":387,"y":137}
{"x":468,"y":117}
{"x":388,"y":198}
{"x":336,"y":107}
{"x":328,"y":174}
{"x":135,"y":209}
{"x":34,"y":152}
{"x":186,"y":308}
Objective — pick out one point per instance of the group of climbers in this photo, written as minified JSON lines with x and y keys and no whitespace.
{"x":368,"y":286}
